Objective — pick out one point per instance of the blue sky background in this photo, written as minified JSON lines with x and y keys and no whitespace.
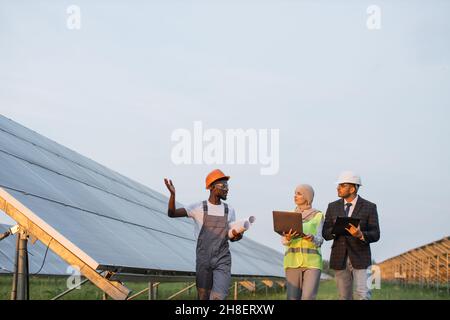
{"x":343,"y":97}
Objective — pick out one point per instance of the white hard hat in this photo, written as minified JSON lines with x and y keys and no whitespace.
{"x":349,"y":177}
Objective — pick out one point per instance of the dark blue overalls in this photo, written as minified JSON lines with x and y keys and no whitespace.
{"x":213,"y":265}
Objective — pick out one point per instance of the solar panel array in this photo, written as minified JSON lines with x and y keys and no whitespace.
{"x":116,"y":221}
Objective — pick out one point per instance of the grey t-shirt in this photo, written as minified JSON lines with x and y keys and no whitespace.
{"x":195,"y":211}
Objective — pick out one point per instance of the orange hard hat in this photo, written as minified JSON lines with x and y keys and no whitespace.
{"x":214,"y":176}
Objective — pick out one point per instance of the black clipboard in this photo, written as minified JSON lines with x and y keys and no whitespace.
{"x":342,"y":223}
{"x":283,"y":221}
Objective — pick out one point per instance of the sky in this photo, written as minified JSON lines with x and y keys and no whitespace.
{"x":343,"y":97}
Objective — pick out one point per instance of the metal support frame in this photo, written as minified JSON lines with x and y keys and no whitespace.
{"x":21,"y":278}
{"x":153,"y":290}
{"x":62,"y":294}
{"x":268,"y":284}
{"x":243,"y":284}
{"x":24,"y":217}
{"x":14,"y":281}
{"x":427,"y":266}
{"x":150,"y":291}
{"x":137,"y":294}
{"x":181,"y":291}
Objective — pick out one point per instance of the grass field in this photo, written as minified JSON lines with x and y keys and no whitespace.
{"x":43,"y":288}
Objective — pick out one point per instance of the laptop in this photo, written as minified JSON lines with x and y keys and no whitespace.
{"x":283,"y":221}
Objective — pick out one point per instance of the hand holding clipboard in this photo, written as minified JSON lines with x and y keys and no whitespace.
{"x":345,"y":226}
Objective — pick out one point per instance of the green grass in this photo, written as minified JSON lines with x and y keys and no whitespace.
{"x":43,"y":288}
{"x":388,"y":291}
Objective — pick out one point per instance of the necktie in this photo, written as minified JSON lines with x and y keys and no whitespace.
{"x":347,"y":208}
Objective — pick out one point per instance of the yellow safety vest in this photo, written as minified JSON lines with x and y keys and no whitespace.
{"x":302,"y":253}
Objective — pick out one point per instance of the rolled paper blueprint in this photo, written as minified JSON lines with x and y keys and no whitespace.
{"x":241,"y":225}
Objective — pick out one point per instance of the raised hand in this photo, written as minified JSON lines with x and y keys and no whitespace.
{"x":169,"y":185}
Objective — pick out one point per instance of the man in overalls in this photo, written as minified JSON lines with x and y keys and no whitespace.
{"x":212,"y":219}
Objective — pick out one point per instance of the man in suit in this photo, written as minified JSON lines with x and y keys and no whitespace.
{"x":350,"y":254}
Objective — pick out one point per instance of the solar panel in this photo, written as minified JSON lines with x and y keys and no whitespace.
{"x":108,"y":220}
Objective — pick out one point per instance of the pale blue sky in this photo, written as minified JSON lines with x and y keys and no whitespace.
{"x":343,"y":97}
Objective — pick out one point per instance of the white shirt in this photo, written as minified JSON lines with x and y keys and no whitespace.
{"x":195,"y":211}
{"x":352,"y":207}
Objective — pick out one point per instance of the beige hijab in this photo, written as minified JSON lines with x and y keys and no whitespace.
{"x":307,"y":211}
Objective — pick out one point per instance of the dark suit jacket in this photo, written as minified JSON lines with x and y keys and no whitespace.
{"x":357,"y":250}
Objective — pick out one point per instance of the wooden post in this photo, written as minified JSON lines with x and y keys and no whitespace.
{"x":422,"y":273}
{"x":437,"y":273}
{"x":408,"y":274}
{"x":414,"y":272}
{"x":236,"y":290}
{"x":151,"y":293}
{"x":447,"y":276}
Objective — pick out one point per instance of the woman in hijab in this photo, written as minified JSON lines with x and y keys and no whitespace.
{"x":303,"y":259}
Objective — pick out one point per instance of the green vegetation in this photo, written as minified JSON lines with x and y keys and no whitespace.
{"x":43,"y":288}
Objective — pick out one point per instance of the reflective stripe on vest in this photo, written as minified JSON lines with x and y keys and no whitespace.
{"x":302,"y":250}
{"x":303,"y":253}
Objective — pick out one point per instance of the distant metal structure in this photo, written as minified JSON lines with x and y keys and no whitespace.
{"x":109,"y":227}
{"x":427,"y":265}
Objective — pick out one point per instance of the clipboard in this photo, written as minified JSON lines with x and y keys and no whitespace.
{"x":342,"y":223}
{"x":283,"y":221}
